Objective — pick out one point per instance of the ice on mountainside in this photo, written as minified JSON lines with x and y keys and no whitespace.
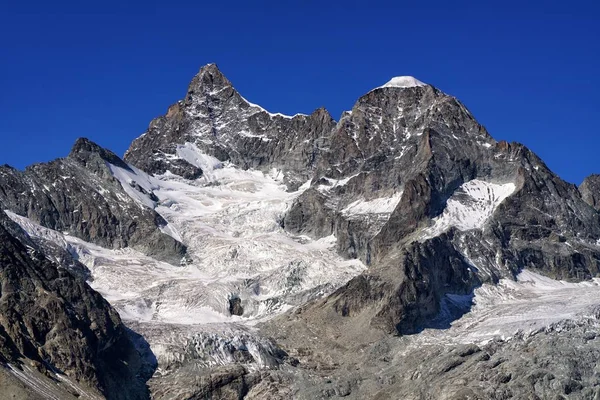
{"x":229,"y":221}
{"x":273,"y":115}
{"x":383,"y":205}
{"x":525,"y":307}
{"x":470,"y":206}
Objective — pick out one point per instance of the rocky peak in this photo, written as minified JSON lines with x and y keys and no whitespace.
{"x":215,"y":119}
{"x":84,"y":151}
{"x":208,"y":79}
{"x":79,"y":194}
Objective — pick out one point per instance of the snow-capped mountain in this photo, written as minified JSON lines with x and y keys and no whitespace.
{"x":257,"y":255}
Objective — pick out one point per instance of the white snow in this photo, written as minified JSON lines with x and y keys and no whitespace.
{"x":333,"y":183}
{"x":127,"y":178}
{"x":272,"y":115}
{"x":403,"y":82}
{"x":213,"y":346}
{"x":229,"y":221}
{"x":470,"y":206}
{"x":527,"y":306}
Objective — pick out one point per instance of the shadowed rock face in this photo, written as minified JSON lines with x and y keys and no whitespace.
{"x":59,"y":323}
{"x":79,"y":194}
{"x":235,"y":306}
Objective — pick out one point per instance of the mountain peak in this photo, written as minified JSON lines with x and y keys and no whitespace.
{"x":403,"y":82}
{"x":85,"y":146}
{"x":84,"y":149}
{"x":210,"y":67}
{"x":209,"y":77}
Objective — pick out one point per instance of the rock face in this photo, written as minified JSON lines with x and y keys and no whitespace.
{"x":235,"y":306}
{"x":57,"y":322}
{"x":216,"y":119}
{"x":500,"y":206}
{"x":556,"y":363}
{"x":80,"y":195}
{"x":590,"y":191}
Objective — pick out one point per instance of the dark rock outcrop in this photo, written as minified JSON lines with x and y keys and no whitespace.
{"x":235,"y":306}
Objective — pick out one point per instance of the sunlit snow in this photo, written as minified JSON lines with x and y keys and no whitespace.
{"x":403,"y":82}
{"x":229,"y":220}
{"x":471,"y":205}
{"x":383,"y":205}
{"x":527,"y":306}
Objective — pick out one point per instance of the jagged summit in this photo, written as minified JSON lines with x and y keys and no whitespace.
{"x":83,"y":149}
{"x":216,"y":119}
{"x":208,"y":79}
{"x":403,"y":82}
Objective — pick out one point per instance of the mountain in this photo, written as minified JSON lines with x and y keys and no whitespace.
{"x":79,"y":194}
{"x":398,"y":252}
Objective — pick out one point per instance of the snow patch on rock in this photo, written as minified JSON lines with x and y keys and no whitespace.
{"x":470,"y":206}
{"x":527,"y":306}
{"x":403,"y":82}
{"x":272,"y":115}
{"x":229,"y":221}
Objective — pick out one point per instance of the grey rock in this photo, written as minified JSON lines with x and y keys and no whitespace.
{"x":425,"y":144}
{"x":78,"y":194}
{"x":220,"y":122}
{"x":235,"y":306}
{"x":590,"y":190}
{"x":58,"y":323}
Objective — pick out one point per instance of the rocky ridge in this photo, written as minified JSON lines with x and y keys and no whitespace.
{"x":217,"y":120}
{"x":79,"y":194}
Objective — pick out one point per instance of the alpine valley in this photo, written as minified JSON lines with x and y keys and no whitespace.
{"x":233,"y":253}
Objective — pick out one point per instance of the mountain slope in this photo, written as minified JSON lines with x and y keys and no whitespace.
{"x":383,"y":182}
{"x":52,"y":322}
{"x":79,"y":194}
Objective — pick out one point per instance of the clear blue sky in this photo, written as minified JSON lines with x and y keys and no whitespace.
{"x":528,"y":70}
